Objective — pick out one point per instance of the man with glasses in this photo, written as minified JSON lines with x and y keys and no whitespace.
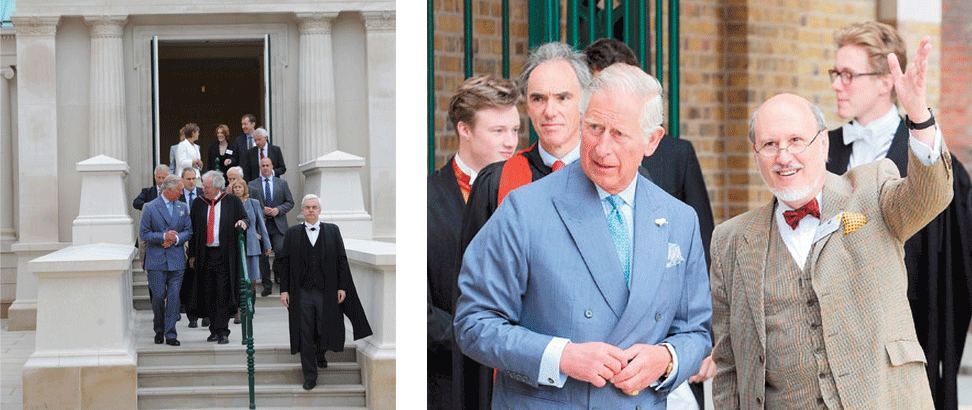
{"x":939,"y":256}
{"x":808,"y":291}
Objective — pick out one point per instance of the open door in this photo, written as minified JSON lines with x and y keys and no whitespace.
{"x":155,"y":102}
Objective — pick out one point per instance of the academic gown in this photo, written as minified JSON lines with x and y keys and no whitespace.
{"x":675,"y":168}
{"x":293,"y":262}
{"x":205,"y":298}
{"x":939,"y":262}
{"x":444,"y":214}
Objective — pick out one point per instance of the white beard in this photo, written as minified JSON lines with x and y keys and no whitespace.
{"x":794,"y":194}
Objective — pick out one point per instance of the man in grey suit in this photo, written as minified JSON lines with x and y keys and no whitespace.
{"x":274,"y":194}
{"x":593,"y":275}
{"x":164,"y":228}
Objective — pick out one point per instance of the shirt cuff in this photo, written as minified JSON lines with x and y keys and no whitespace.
{"x":659,"y":384}
{"x":927,"y":155}
{"x":550,"y":374}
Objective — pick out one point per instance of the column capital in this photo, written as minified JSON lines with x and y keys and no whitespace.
{"x":106,"y":26}
{"x":379,"y":20}
{"x":315,"y":23}
{"x":35,"y":25}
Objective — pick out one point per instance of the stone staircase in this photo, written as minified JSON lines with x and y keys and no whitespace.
{"x":200,"y":374}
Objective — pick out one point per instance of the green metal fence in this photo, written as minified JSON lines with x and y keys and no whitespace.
{"x":246,"y":313}
{"x":584,"y":22}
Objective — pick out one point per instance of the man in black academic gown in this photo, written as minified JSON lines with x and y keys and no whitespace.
{"x":214,"y":252}
{"x":483,"y":112}
{"x":317,"y":289}
{"x":938,"y":257}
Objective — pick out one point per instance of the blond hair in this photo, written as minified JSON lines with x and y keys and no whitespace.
{"x":246,"y":189}
{"x":480,"y":92}
{"x":878,"y":40}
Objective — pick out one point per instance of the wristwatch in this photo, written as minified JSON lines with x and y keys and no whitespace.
{"x":668,"y":371}
{"x":921,"y":125}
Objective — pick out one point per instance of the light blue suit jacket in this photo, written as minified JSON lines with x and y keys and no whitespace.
{"x":155,"y":223}
{"x":254,"y":212}
{"x":545,"y":265}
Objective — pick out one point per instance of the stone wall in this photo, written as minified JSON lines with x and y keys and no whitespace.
{"x":956,"y":106}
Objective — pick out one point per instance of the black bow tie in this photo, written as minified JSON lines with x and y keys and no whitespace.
{"x":313,"y":229}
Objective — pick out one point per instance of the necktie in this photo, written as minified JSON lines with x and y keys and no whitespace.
{"x":313,"y":229}
{"x":793,"y":217}
{"x":190,"y":197}
{"x":557,"y":165}
{"x":619,"y":234}
{"x":249,"y":141}
{"x":190,"y":202}
{"x":266,"y":192}
{"x":261,"y":153}
{"x":210,"y":228}
{"x":463,"y":181}
{"x":170,"y":207}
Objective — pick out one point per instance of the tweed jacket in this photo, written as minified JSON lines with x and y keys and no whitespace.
{"x":859,"y":279}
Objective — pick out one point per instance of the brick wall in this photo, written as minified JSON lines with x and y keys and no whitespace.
{"x":734,"y":55}
{"x":487,"y":59}
{"x":955,"y":109}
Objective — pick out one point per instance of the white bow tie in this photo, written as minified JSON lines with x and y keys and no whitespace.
{"x":854,"y":131}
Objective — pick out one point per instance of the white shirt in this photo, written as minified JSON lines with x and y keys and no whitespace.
{"x":549,"y":159}
{"x":466,"y":170}
{"x":219,"y":206}
{"x":312,"y":232}
{"x":550,"y":374}
{"x":872,"y":141}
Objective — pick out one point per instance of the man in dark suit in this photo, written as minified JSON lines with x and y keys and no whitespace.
{"x":244,"y":142}
{"x":483,"y":112}
{"x":263,"y":149}
{"x":939,"y":256}
{"x":152,"y":192}
{"x":317,"y":288}
{"x":189,"y":194}
{"x":214,"y":252}
{"x":274,"y":194}
{"x":164,"y":229}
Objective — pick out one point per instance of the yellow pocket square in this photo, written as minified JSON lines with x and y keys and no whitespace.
{"x":852,"y":221}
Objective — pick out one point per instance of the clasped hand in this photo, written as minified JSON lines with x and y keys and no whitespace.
{"x":170,"y":238}
{"x":630,"y":370}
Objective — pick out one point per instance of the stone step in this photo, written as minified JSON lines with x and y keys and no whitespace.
{"x":199,"y":352}
{"x":289,"y":395}
{"x":141,"y":301}
{"x":340,"y":373}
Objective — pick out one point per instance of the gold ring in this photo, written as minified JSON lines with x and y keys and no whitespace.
{"x":634,"y":393}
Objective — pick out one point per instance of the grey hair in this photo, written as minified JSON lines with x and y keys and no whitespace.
{"x":554,"y":51}
{"x":218,"y":181}
{"x":187,"y":169}
{"x":309,"y":197}
{"x":631,"y":79}
{"x":262,"y":132}
{"x":237,"y":169}
{"x":170,"y":181}
{"x":162,"y":167}
{"x":818,"y":116}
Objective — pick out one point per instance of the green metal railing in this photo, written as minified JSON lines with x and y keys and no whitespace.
{"x":246,"y":312}
{"x":584,"y":23}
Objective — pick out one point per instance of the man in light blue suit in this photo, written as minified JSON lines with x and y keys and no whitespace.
{"x":588,"y":288}
{"x":165,"y":226}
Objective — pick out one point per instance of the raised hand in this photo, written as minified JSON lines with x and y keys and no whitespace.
{"x":592,"y":362}
{"x":910,"y":85}
{"x":644,"y":365}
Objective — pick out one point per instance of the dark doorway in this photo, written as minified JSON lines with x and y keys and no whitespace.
{"x":208,"y":83}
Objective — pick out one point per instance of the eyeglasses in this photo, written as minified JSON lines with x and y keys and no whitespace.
{"x":771,"y":150}
{"x":846,"y":76}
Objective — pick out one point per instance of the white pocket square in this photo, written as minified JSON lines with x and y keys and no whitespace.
{"x":674,"y":255}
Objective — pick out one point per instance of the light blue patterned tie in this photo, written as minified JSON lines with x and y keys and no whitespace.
{"x":170,"y":207}
{"x":619,"y":233}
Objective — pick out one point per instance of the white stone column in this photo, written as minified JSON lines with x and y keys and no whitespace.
{"x":317,"y":117}
{"x":7,"y":230}
{"x":107,"y":129}
{"x":380,"y":55}
{"x":36,"y":197}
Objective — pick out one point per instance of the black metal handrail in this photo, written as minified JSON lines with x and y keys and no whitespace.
{"x":246,"y":312}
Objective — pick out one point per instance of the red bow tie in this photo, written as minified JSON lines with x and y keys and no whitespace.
{"x":793,"y":217}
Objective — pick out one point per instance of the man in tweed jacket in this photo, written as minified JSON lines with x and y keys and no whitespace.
{"x":809,"y":292}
